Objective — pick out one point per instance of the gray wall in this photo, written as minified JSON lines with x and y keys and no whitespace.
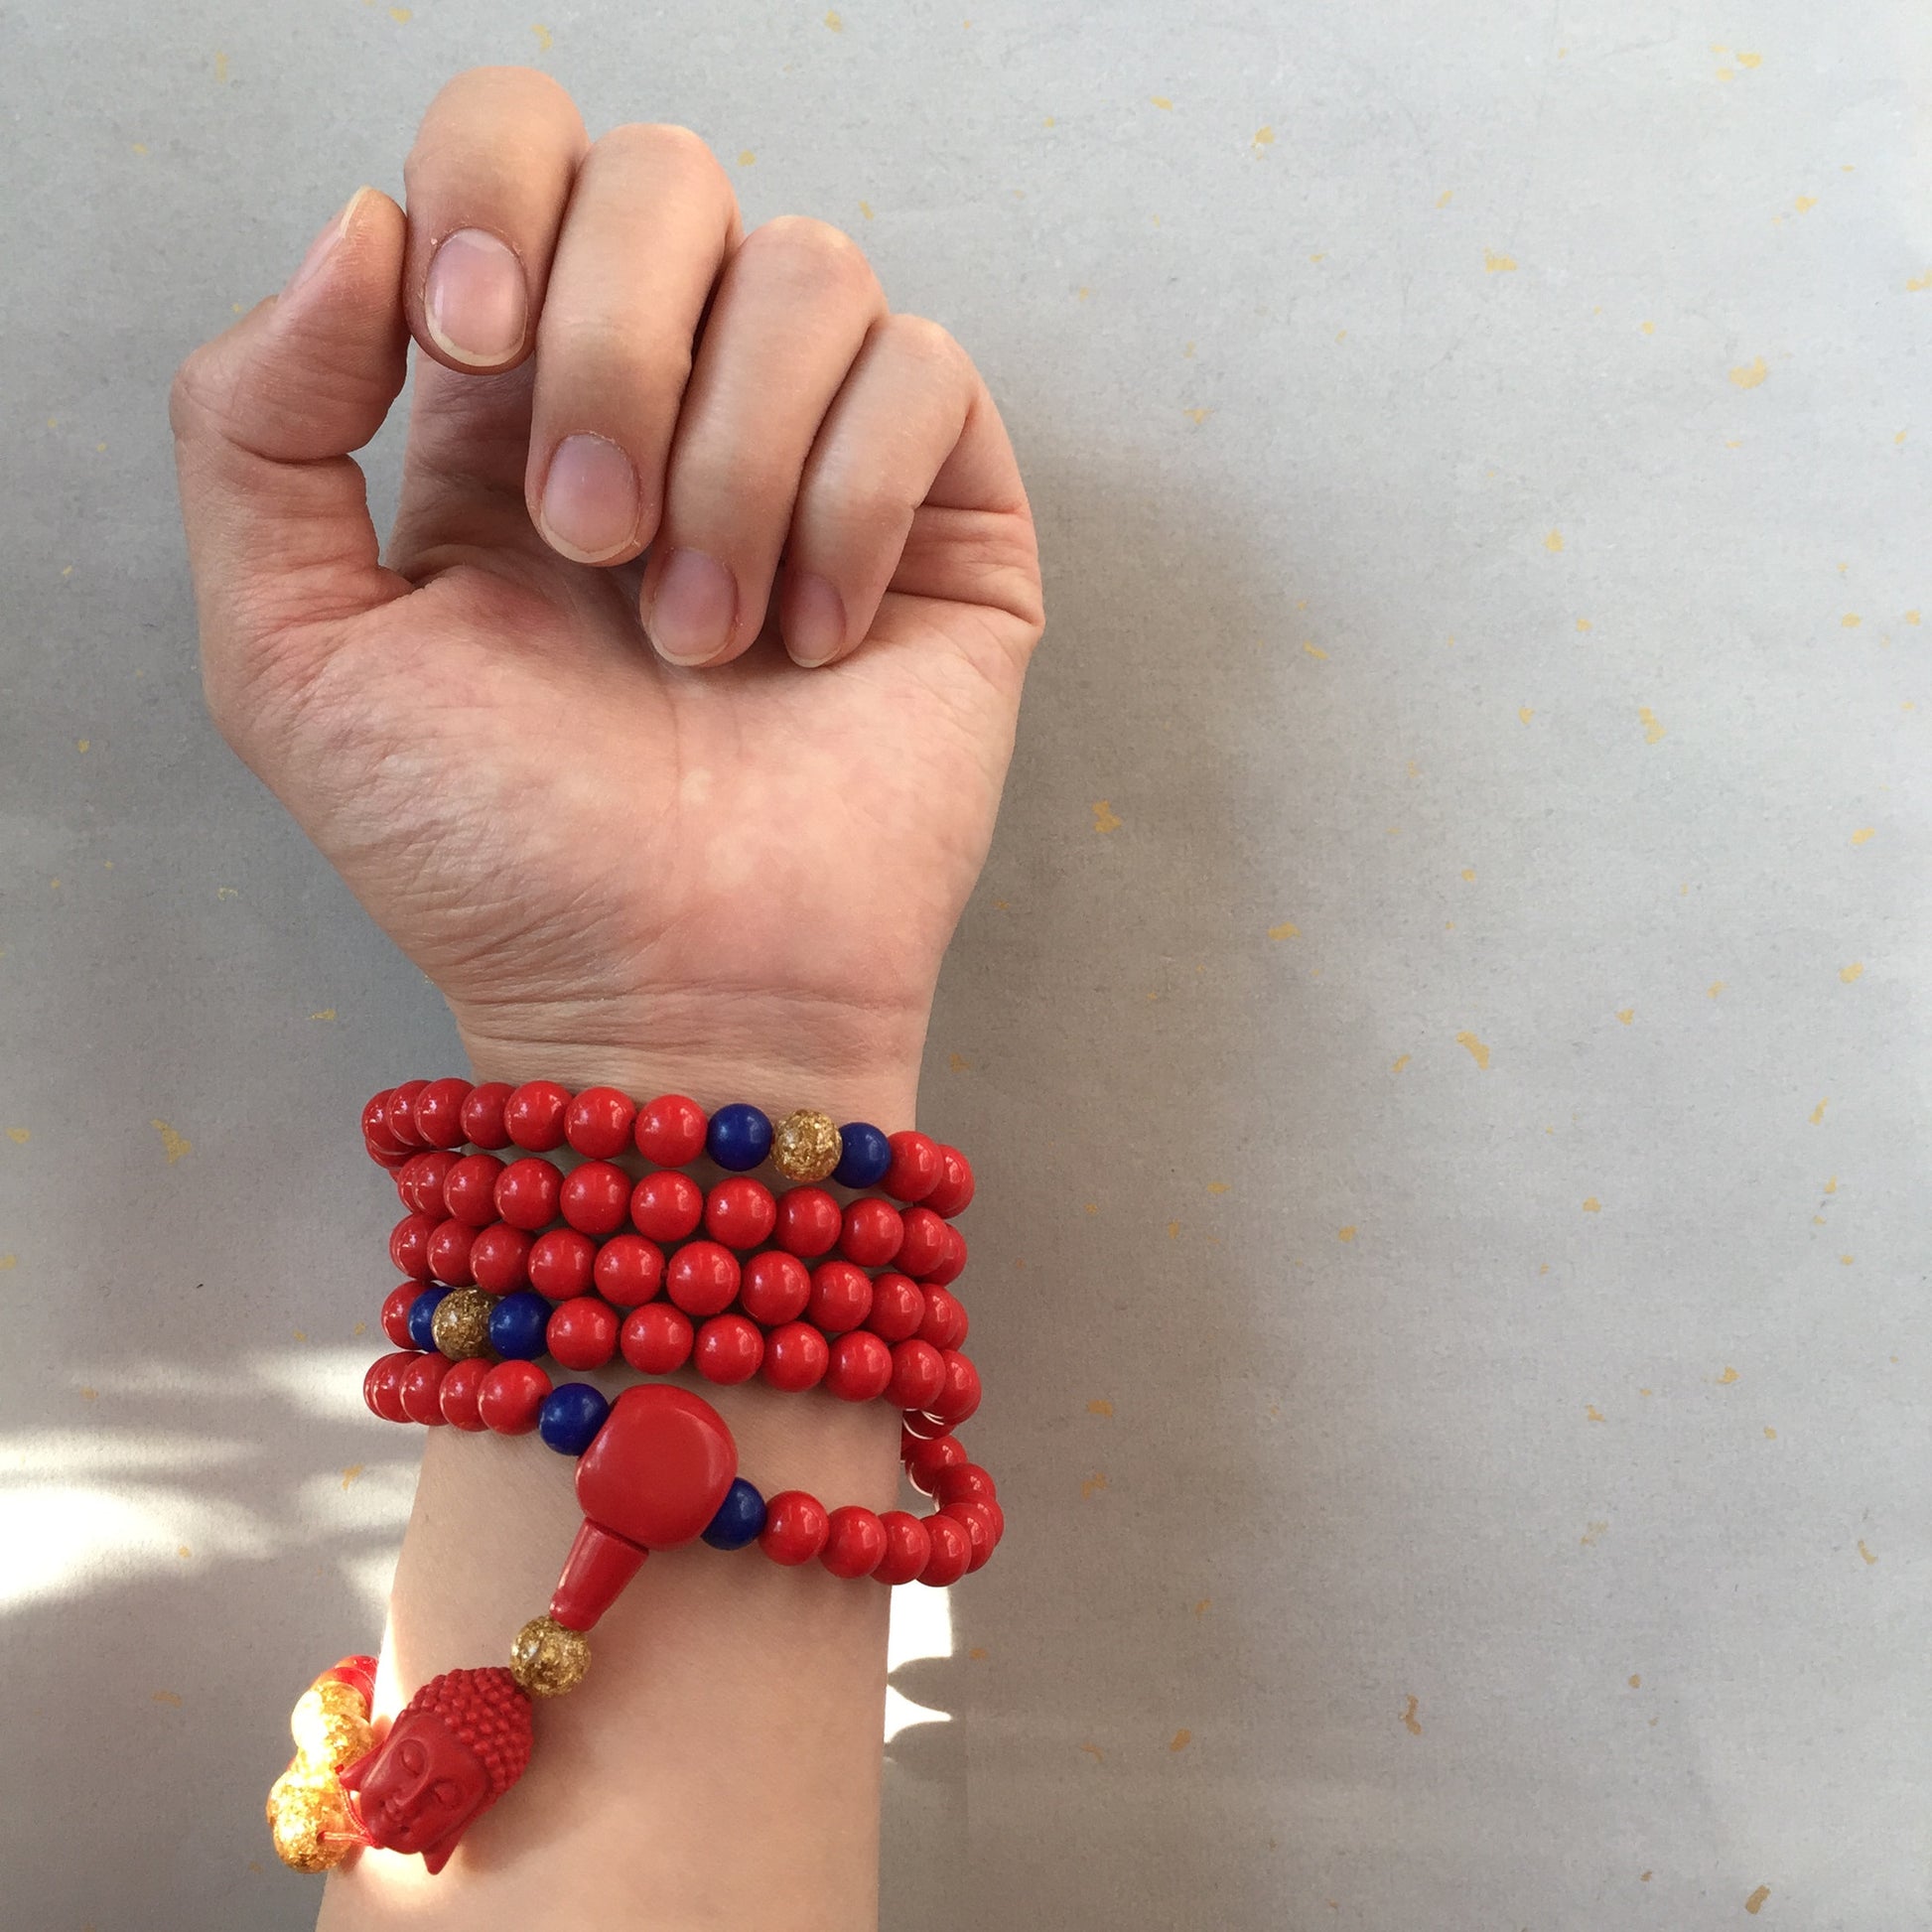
{"x":1484,"y":525}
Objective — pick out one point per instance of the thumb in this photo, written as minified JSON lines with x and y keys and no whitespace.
{"x":264,"y":418}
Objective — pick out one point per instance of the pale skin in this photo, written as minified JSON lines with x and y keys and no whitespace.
{"x":672,"y":754}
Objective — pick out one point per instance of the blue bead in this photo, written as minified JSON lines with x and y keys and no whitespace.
{"x":741,"y":1516}
{"x":571,"y":1415}
{"x":739,"y":1138}
{"x":864,"y":1156}
{"x":516,"y":1326}
{"x":422,"y":1312}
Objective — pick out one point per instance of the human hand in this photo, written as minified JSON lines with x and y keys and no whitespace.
{"x":703,"y":860}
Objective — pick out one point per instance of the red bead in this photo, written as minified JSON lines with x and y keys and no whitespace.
{"x":871,"y":1232}
{"x":533,"y":1116}
{"x":403,"y":1112}
{"x":657,"y":1338}
{"x":409,"y":1246}
{"x":382,"y":1155}
{"x":855,"y":1540}
{"x":860,"y":1368}
{"x":598,"y":1122}
{"x":468,"y":1189}
{"x":375,"y":1126}
{"x":985,"y":1523}
{"x":628,"y":1270}
{"x":918,"y":1373}
{"x":560,"y":1264}
{"x":914,"y":1169}
{"x":920,"y":1425}
{"x":809,"y":1222}
{"x":740,"y":1212}
{"x":924,"y":1242}
{"x":954,"y":1193}
{"x":670,"y":1130}
{"x":421,"y":1381}
{"x":526,"y":1193}
{"x":439,"y":1113}
{"x":898,"y":1306}
{"x":512,"y":1398}
{"x":945,"y":1320}
{"x":957,"y":1401}
{"x":796,"y":1527}
{"x":395,"y":1312}
{"x":951,"y":1552}
{"x":582,"y":1334}
{"x":775,"y":1288}
{"x":702,"y":1277}
{"x":482,"y":1114}
{"x":499,"y":1258}
{"x":923,"y":1464}
{"x":458,"y":1395}
{"x":908,"y":1547}
{"x":382,"y":1385}
{"x":419,"y":1182}
{"x":449,"y":1243}
{"x":841,"y":1297}
{"x":728,"y":1349}
{"x":596,"y":1197}
{"x":964,"y":1483}
{"x":666,"y":1206}
{"x":952,"y":1259}
{"x":795,"y":1357}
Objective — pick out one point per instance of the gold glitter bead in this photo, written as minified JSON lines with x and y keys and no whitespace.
{"x":806,"y":1146}
{"x":461,"y":1325}
{"x":307,"y":1818}
{"x":331,"y":1724}
{"x":548,"y":1659}
{"x":338,"y":1699}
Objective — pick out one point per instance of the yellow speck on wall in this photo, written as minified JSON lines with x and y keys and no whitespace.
{"x":1197,"y":416}
{"x":221,"y":68}
{"x":20,"y":1136}
{"x":1105,"y":819}
{"x":1636,"y":1682}
{"x":1345,"y":1234}
{"x":1653,"y":732}
{"x":1751,"y":60}
{"x":1592,"y":1413}
{"x":8,"y":1261}
{"x":1100,"y":1406}
{"x":1749,"y":374}
{"x":1714,"y":988}
{"x":1446,"y":197}
{"x":545,"y":39}
{"x":1864,"y":833}
{"x":864,"y":209}
{"x":1756,"y":1902}
{"x":1094,"y":1484}
{"x":1409,"y":1721}
{"x":1287,"y":929}
{"x":745,"y":157}
{"x":959,"y":1063}
{"x":835,"y":22}
{"x":1804,"y":204}
{"x":1263,"y":137}
{"x":168,"y":1697}
{"x":1850,"y":621}
{"x":1163,"y":102}
{"x":1912,"y":286}
{"x":1496,"y":264}
{"x":1866,"y":1553}
{"x":1313,"y":649}
{"x":1728,"y":1377}
{"x":401,"y":16}
{"x":1854,"y":971}
{"x":1173,"y":1230}
{"x":1912,"y":617}
{"x":328,"y":1013}
{"x":1626,"y":1015}
{"x":172,"y":1144}
{"x":1592,"y":1205}
{"x":1180,"y":1740}
{"x":83,"y":744}
{"x":979,"y":1653}
{"x":1818,"y":1113}
{"x":1593,"y":1533}
{"x":1646,"y":328}
{"x":1400,"y":1064}
{"x":1470,"y":874}
{"x":1525,"y":712}
{"x":1772,"y":1434}
{"x":1477,"y":1050}
{"x":1846,"y":1260}
{"x":1217,"y":1187}
{"x":1095,"y":1752}
{"x":349,"y":1475}
{"x":1553,"y":542}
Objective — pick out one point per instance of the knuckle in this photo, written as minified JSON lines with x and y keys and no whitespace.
{"x":664,"y":146}
{"x":927,"y":343}
{"x":811,"y":253}
{"x":193,"y":395}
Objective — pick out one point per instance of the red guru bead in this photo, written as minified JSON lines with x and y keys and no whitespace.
{"x":657,"y":1338}
{"x":702,"y":1277}
{"x":924,"y":1243}
{"x":670,"y":1130}
{"x":898,"y":1306}
{"x":907,"y":1546}
{"x":499,"y":1258}
{"x":871,"y":1232}
{"x":438,"y":1113}
{"x":728,"y":1349}
{"x":841,"y":1297}
{"x":459,"y":1392}
{"x":914,"y":1169}
{"x":395,"y":1312}
{"x":526,"y":1193}
{"x":512,"y":1398}
{"x":482,"y":1114}
{"x":533,"y":1116}
{"x":860,"y":1367}
{"x":628,"y":1270}
{"x":954,"y":1193}
{"x":796,"y":1527}
{"x":918,"y":1373}
{"x":403,"y":1112}
{"x":795,"y":1357}
{"x":775,"y":1288}
{"x":560,"y":1265}
{"x":598,"y":1122}
{"x":666,"y":1206}
{"x":596,"y":1197}
{"x":951,"y":1552}
{"x":808,"y":1224}
{"x":468,"y":1189}
{"x":421,"y":1382}
{"x":449,"y":1243}
{"x":582,"y":1334}
{"x":409,"y":1246}
{"x":855,"y":1540}
{"x":740,"y":1212}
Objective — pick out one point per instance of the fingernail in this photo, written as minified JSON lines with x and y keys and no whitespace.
{"x":690,"y":618}
{"x":473,"y":299}
{"x":590,"y":499}
{"x":815,"y":633}
{"x":323,"y":244}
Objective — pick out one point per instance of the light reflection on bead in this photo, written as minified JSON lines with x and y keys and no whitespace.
{"x":460,"y":1323}
{"x":806,"y":1146}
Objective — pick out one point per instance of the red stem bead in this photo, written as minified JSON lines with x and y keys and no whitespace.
{"x":499,"y":1258}
{"x":395,"y":1312}
{"x":657,"y":1338}
{"x":860,"y":1367}
{"x":918,"y":1373}
{"x":598,"y":1122}
{"x":448,"y":1248}
{"x":482,"y":1114}
{"x":898,"y":1306}
{"x":740,"y":1212}
{"x":512,"y":1398}
{"x":582,"y":1334}
{"x":670,"y":1130}
{"x":403,"y":1112}
{"x":924,"y":1463}
{"x":526,"y":1193}
{"x":944,"y":1324}
{"x":795,"y":1357}
{"x":666,"y":1206}
{"x":954,"y":1193}
{"x":458,"y":1393}
{"x":775,"y":1288}
{"x":468,"y":1188}
{"x":702,"y":1277}
{"x":728,"y":1349}
{"x":841,"y":1297}
{"x":409,"y":1246}
{"x":964,"y":1483}
{"x":960,"y":1398}
{"x":438,"y":1113}
{"x":907,"y":1546}
{"x":533,"y":1116}
{"x":796,"y":1527}
{"x":871,"y":1232}
{"x":560,"y":1265}
{"x":421,"y":1381}
{"x":913,"y":1171}
{"x":951,"y":1263}
{"x":809,"y":1222}
{"x":855,"y":1540}
{"x":596,"y":1197}
{"x":951,"y":1552}
{"x":628,"y":1270}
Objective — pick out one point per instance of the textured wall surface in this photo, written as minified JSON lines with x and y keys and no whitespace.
{"x":1442,"y":1029}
